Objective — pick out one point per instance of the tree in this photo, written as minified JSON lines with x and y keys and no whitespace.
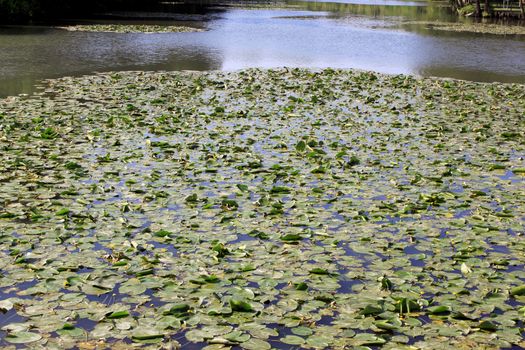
{"x":27,"y":10}
{"x":488,"y":9}
{"x":478,"y":8}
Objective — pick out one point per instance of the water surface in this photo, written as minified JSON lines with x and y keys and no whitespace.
{"x":309,"y":34}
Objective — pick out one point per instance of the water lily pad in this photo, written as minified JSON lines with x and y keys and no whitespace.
{"x":255,"y":344}
{"x":280,"y":189}
{"x":291,"y":237}
{"x":326,"y":209}
{"x":118,"y":314}
{"x":22,"y":337}
{"x":6,"y":305}
{"x":241,"y":306}
{"x":488,"y":326}
{"x":293,"y":340}
{"x":146,"y":335}
{"x":318,"y":342}
{"x":71,"y":331}
{"x":439,"y":310}
{"x":368,"y":339}
{"x":520,"y":290}
{"x":303,"y":331}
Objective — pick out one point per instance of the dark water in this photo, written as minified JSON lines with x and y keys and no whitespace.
{"x":310,"y":34}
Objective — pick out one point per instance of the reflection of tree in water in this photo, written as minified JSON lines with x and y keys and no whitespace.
{"x":185,"y":10}
{"x":412,"y":12}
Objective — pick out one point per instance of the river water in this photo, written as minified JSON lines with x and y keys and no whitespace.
{"x":361,"y":34}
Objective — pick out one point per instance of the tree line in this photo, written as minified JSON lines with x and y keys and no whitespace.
{"x":17,"y":11}
{"x":490,"y":8}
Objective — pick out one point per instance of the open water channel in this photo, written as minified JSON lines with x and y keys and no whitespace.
{"x":384,"y":36}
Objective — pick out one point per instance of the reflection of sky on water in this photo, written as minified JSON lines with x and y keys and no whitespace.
{"x":310,"y":43}
{"x":261,"y":38}
{"x":324,"y":42}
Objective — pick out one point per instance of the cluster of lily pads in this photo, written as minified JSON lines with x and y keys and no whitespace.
{"x":262,"y":209}
{"x":130,"y":28}
{"x":480,"y":28}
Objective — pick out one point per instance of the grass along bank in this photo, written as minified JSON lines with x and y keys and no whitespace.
{"x":263,"y":208}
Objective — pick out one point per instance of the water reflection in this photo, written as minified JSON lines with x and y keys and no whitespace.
{"x":30,"y":55}
{"x":366,"y":8}
{"x":378,"y":2}
{"x":322,"y":35}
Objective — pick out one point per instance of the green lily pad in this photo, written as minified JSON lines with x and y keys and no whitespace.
{"x":162,"y":233}
{"x":488,"y":326}
{"x":118,"y":314}
{"x":319,"y":271}
{"x":439,"y":310}
{"x":293,"y":340}
{"x":291,"y":237}
{"x":318,"y":342}
{"x":255,"y":344}
{"x":71,"y":331}
{"x":368,"y":339}
{"x":240,"y":305}
{"x":147,"y":337}
{"x":326,"y":209}
{"x":280,"y":189}
{"x":519,"y":290}
{"x":22,"y":337}
{"x":303,"y":331}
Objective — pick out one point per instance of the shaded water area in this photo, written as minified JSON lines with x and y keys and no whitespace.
{"x":298,"y":34}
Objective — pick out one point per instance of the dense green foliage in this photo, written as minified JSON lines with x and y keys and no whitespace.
{"x":25,"y":10}
{"x":489,"y":8}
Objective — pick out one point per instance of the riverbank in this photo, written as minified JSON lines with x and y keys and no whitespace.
{"x":263,"y":208}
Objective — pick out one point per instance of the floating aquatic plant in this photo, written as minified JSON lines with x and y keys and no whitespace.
{"x":263,"y":208}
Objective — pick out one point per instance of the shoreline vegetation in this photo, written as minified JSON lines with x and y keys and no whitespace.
{"x":506,"y":9}
{"x":130,"y":28}
{"x":481,"y":28}
{"x":38,"y":11}
{"x":322,"y":209}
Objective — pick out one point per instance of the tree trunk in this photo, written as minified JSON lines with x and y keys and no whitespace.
{"x":522,"y":8}
{"x":478,"y":8}
{"x":488,"y":9}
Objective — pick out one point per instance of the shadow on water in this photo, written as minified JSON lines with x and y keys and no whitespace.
{"x":15,"y":290}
